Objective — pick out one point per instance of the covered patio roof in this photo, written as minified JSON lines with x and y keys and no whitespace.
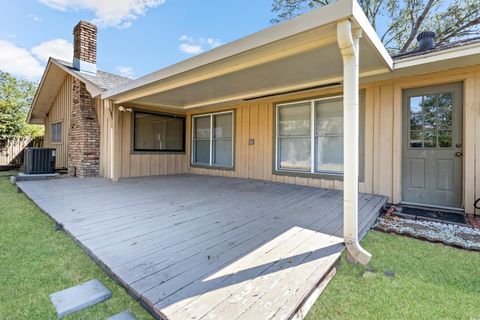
{"x":299,"y":54}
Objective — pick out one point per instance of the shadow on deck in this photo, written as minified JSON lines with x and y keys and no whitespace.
{"x":193,"y":247}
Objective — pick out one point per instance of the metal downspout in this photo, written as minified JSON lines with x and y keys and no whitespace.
{"x":348,"y":44}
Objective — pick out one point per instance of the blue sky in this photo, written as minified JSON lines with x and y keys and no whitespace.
{"x":135,"y":37}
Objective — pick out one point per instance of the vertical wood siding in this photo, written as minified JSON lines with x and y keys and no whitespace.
{"x":383,"y":139}
{"x":60,"y":110}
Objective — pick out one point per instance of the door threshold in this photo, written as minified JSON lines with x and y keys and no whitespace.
{"x":437,"y":214}
{"x":430,"y":206}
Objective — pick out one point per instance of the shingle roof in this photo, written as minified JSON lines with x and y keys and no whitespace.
{"x":103,"y":80}
{"x":440,"y":47}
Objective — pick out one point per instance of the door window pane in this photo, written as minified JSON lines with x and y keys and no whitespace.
{"x":416,"y":139}
{"x":294,"y":153}
{"x":431,"y":121}
{"x":430,"y":103}
{"x":416,"y":122}
{"x":445,"y":139}
{"x":429,"y":138}
{"x":416,"y":104}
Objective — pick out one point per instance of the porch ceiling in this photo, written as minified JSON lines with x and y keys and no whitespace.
{"x":298,"y":54}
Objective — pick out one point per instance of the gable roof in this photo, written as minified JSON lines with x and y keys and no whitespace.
{"x":53,"y":78}
{"x":103,"y":80}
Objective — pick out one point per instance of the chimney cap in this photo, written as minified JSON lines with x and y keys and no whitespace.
{"x":426,"y":40}
{"x":84,"y":24}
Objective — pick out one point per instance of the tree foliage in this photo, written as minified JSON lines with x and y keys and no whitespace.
{"x":16,"y":96}
{"x":398,"y":22}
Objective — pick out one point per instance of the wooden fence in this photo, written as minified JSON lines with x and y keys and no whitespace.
{"x":11,"y":151}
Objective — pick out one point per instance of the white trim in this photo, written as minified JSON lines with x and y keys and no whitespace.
{"x":311,"y":21}
{"x":435,"y":56}
{"x":211,"y":164}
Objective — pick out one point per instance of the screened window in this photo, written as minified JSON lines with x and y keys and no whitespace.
{"x":212,"y":140}
{"x":156,"y":132}
{"x":310,"y":136}
{"x":57,"y":132}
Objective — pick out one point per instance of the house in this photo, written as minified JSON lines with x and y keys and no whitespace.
{"x":270,"y":106}
{"x":315,"y":101}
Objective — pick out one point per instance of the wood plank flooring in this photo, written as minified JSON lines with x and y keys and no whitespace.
{"x":198,"y":247}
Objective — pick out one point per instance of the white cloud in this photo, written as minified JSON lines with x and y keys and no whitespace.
{"x":29,"y":64}
{"x":125,"y":71}
{"x":19,"y":61}
{"x":57,"y":48}
{"x":35,"y":18}
{"x":191,"y":45}
{"x":108,"y":13}
{"x":190,"y":48}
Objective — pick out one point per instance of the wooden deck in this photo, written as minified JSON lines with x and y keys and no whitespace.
{"x":197,"y":247}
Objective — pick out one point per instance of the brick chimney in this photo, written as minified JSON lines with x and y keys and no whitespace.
{"x":84,"y":131}
{"x":85,"y":47}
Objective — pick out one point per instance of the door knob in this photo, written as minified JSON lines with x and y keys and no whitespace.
{"x":459,"y":154}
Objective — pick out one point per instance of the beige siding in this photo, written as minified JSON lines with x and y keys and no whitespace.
{"x":383,"y":138}
{"x":60,"y":110}
{"x":133,"y":164}
{"x":254,"y":120}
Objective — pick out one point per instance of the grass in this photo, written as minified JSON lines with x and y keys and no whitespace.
{"x":432,"y":281}
{"x":36,"y":261}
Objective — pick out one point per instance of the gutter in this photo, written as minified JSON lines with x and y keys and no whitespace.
{"x":348,"y":43}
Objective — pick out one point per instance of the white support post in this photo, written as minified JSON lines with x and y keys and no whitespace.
{"x":348,"y":44}
{"x":113,"y":115}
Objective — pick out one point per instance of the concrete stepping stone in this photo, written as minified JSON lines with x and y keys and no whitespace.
{"x":125,"y":315}
{"x":79,"y":297}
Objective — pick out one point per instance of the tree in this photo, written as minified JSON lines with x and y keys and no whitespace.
{"x":398,"y":22}
{"x":16,"y":96}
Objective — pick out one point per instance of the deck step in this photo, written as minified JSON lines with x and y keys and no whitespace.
{"x":125,"y":315}
{"x":79,"y":297}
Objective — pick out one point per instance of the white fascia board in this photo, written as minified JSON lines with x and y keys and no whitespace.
{"x":370,"y":34}
{"x":39,"y":88}
{"x":436,"y":56}
{"x":340,"y":10}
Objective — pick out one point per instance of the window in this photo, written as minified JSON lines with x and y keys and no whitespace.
{"x":310,"y":136}
{"x":431,"y":121}
{"x":212,"y":140}
{"x":57,"y":132}
{"x":158,"y":132}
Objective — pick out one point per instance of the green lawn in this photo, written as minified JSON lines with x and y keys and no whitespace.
{"x":431,"y":282}
{"x":36,"y":261}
